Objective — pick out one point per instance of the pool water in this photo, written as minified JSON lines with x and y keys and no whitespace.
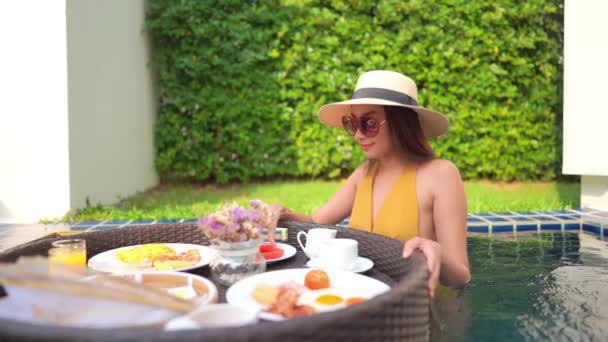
{"x":535,"y":287}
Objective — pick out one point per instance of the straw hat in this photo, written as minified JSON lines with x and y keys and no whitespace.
{"x":387,"y":88}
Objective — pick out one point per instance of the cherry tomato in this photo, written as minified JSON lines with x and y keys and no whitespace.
{"x":316,"y":279}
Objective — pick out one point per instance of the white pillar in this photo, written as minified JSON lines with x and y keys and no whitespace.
{"x":586,"y":99}
{"x":594,"y":192}
{"x":34,"y":167}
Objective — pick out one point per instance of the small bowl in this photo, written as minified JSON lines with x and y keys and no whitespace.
{"x":215,"y":316}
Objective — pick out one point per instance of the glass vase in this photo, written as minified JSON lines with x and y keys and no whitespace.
{"x":236,"y":260}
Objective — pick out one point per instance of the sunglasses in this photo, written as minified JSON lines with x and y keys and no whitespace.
{"x":368,"y":126}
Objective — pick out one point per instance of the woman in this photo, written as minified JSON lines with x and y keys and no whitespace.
{"x":402,"y":191}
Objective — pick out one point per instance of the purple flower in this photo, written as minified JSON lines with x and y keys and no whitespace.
{"x":253,"y":215}
{"x":204,"y":221}
{"x":234,"y":223}
{"x":232,"y":228}
{"x":238,"y":214}
{"x":255,"y":204}
{"x":216,"y":226}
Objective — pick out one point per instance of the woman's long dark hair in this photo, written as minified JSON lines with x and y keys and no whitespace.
{"x":406,"y":132}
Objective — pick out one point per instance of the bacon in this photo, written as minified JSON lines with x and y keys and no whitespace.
{"x":303,"y":310}
{"x":285,"y":303}
{"x":192,"y":256}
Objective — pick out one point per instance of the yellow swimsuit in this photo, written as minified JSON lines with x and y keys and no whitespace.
{"x":398,"y":214}
{"x":397,"y":217}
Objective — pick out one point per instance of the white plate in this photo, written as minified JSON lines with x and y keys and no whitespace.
{"x":288,"y":252}
{"x":109,"y":263}
{"x":361,"y":265}
{"x":355,"y":285}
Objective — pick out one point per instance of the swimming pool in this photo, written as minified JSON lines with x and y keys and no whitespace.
{"x":535,"y":286}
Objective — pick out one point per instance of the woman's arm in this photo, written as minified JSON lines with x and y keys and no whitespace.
{"x":450,"y":221}
{"x":336,"y":209}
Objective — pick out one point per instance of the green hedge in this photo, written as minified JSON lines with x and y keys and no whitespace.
{"x":242,"y":81}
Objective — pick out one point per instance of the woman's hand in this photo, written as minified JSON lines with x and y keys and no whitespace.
{"x":277,"y":210}
{"x":432,"y":252}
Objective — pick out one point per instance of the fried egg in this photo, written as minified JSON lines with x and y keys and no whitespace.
{"x":143,"y":253}
{"x":323,"y":300}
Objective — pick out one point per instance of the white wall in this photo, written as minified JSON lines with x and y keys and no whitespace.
{"x":586,"y":88}
{"x":34,"y":169}
{"x":77,"y":105}
{"x":111,"y":101}
{"x":586,"y":99}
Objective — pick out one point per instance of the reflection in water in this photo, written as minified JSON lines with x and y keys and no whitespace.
{"x":533,"y":287}
{"x":573,"y":304}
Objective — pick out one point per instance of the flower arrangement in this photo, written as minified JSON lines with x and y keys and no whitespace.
{"x":233,"y":223}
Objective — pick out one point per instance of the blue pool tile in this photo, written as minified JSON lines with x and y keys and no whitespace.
{"x":134,"y":222}
{"x":526,"y":227}
{"x":542,"y":218}
{"x":551,"y":226}
{"x":595,"y":221}
{"x":496,"y":219}
{"x":530,"y":213}
{"x":81,"y":227}
{"x":568,"y":217}
{"x":477,"y":229}
{"x":502,"y":228}
{"x":585,"y":210}
{"x":591,"y":228}
{"x":191,"y":220}
{"x":116,"y":222}
{"x":344,"y":223}
{"x":559,"y":212}
{"x":86,"y":223}
{"x":484,"y":214}
{"x":168,"y":221}
{"x":104,"y":227}
{"x":474,"y":219}
{"x":542,"y":212}
{"x":572,"y":226}
{"x":520,"y":218}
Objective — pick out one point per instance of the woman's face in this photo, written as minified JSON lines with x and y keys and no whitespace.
{"x":380,"y":145}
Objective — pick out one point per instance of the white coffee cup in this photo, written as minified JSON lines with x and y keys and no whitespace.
{"x":314,"y":238}
{"x":338,"y":254}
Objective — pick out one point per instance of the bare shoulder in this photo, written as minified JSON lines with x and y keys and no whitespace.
{"x":357,"y":176}
{"x":440,"y":171}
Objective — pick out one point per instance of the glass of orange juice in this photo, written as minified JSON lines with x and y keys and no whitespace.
{"x":69,"y":252}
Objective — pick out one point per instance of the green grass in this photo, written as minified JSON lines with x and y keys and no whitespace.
{"x":186,"y":201}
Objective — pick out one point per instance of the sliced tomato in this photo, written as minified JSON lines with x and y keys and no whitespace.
{"x":354,"y":300}
{"x":266,"y":247}
{"x":274,"y":254}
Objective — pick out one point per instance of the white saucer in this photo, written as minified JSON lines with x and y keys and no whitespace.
{"x":361,"y":265}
